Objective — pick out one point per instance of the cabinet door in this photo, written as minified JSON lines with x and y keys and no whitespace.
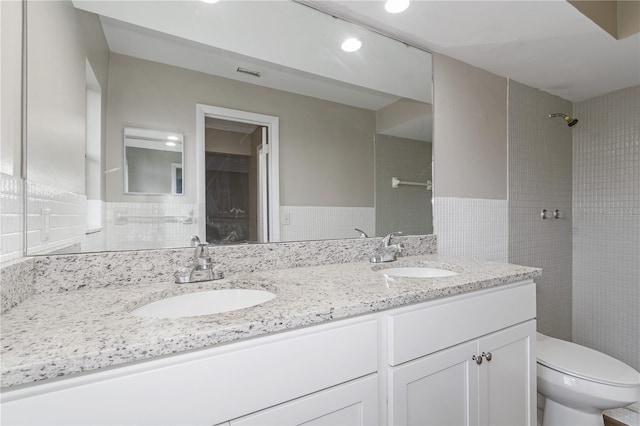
{"x":438,"y":389}
{"x":507,"y":381}
{"x":351,"y":404}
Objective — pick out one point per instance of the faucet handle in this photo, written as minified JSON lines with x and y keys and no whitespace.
{"x":387,"y":240}
{"x":362,"y":233}
{"x":195,"y":240}
{"x":201,"y":252}
{"x":182,"y":276}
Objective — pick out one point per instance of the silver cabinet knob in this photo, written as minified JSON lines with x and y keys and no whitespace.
{"x":477,"y":359}
{"x":488,"y":356}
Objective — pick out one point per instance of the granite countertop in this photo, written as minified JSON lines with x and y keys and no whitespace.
{"x":51,"y":335}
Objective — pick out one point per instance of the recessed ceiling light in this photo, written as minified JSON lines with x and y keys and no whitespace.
{"x":210,"y":1}
{"x":396,"y":6}
{"x":170,"y":143}
{"x":172,"y":138}
{"x":351,"y":45}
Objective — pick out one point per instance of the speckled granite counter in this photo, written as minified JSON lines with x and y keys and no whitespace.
{"x":51,"y":335}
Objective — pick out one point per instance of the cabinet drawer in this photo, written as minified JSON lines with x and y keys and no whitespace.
{"x":433,"y":326}
{"x":205,"y":387}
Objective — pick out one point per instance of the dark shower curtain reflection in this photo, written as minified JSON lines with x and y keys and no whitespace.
{"x":227,"y":186}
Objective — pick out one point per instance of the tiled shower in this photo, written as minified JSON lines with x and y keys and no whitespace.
{"x":540,"y":178}
{"x":606,"y":224}
{"x":590,"y":288}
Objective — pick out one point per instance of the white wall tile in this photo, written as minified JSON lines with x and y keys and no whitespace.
{"x":67,"y":219}
{"x":322,"y":223}
{"x":11,"y":217}
{"x":471,"y":227}
{"x":149,"y":232}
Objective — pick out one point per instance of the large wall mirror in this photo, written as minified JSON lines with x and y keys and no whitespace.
{"x":279,"y":134}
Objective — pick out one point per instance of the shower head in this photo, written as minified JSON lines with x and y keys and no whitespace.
{"x":570,"y":121}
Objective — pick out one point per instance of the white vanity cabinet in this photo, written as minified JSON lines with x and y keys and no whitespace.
{"x":352,"y":404}
{"x":487,"y":380}
{"x":450,"y":388}
{"x":410,"y":365}
{"x":214,"y":385}
{"x":506,"y":381}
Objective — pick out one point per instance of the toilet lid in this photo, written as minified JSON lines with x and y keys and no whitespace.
{"x":583,"y":362}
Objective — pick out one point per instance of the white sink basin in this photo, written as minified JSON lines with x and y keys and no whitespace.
{"x":203,"y":303}
{"x":417,"y":272}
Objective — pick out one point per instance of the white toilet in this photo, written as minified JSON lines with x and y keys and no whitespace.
{"x":579,"y":383}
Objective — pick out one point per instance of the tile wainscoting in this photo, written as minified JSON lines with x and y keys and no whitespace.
{"x":301,"y":223}
{"x":472,"y":227}
{"x":11,"y":217}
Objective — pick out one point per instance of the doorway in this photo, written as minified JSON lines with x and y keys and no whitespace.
{"x":238,"y":178}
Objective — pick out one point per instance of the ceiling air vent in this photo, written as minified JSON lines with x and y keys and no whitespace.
{"x":250,"y":72}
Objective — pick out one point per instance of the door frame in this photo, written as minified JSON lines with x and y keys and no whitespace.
{"x":272,"y":123}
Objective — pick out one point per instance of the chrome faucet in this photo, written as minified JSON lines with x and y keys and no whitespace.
{"x":387,"y":252}
{"x":202,"y":268}
{"x":362,"y":233}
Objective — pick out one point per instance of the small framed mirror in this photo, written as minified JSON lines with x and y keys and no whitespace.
{"x":153,"y":162}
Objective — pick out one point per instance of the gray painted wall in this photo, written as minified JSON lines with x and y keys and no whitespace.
{"x":11,"y":75}
{"x":149,"y":170}
{"x":56,"y":76}
{"x":406,"y":207}
{"x":470,"y":130}
{"x":326,"y":149}
{"x":226,"y":141}
{"x":470,"y":161}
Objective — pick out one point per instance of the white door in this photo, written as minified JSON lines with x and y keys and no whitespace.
{"x":438,"y":389}
{"x":352,"y":404}
{"x":263,"y":189}
{"x":508,"y":376}
{"x":271,"y":201}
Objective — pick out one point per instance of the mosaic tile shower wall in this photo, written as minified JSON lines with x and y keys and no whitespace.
{"x":606,"y":210}
{"x":540,"y":178}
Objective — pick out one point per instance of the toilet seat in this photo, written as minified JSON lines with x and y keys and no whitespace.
{"x":584,"y":363}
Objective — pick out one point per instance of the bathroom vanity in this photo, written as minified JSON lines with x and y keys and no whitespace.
{"x":340,"y":344}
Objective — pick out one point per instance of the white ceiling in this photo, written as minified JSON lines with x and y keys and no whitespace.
{"x":545,"y":44}
{"x":131,"y":40}
{"x":295,"y":49}
{"x":549,"y":45}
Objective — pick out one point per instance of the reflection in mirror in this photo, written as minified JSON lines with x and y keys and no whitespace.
{"x":152,"y":162}
{"x":348,"y":123}
{"x":403,"y":153}
{"x":240,"y":188}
